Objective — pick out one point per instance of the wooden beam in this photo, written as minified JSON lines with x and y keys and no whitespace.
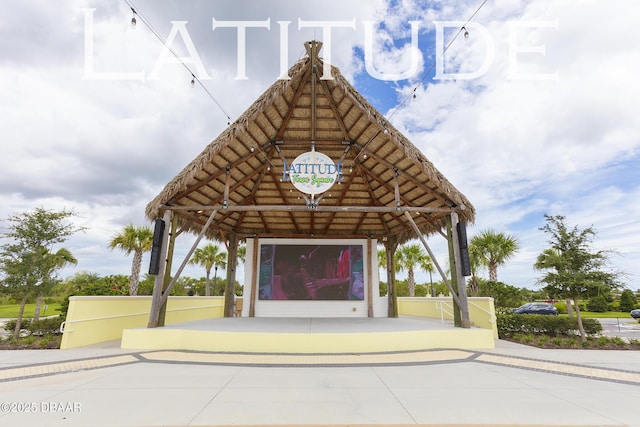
{"x":334,"y":108}
{"x":433,"y":257}
{"x":230,"y":287}
{"x":304,"y":208}
{"x":369,"y":277}
{"x":166,"y":293}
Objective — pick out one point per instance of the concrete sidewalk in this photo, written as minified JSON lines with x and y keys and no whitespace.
{"x":509,"y":385}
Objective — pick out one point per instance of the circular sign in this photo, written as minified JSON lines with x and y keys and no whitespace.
{"x":313,"y":172}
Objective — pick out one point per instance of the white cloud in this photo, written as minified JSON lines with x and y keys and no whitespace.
{"x":520,"y":148}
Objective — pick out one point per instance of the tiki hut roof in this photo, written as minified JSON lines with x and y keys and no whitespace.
{"x":240,"y":173}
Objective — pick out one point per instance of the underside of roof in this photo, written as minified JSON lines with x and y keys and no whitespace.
{"x":240,"y":173}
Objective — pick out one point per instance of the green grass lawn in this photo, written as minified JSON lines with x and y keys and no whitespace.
{"x":11,"y":310}
{"x":606,"y":315}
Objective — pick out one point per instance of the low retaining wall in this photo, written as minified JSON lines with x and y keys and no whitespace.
{"x":482,"y":312}
{"x":96,"y":319}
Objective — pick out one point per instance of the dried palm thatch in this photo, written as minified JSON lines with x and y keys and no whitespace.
{"x":240,"y":172}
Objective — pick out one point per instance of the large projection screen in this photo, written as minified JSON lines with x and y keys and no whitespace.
{"x":321,"y":272}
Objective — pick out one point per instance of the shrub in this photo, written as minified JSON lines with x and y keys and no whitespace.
{"x":10,"y":325}
{"x":598,"y":304}
{"x":627,"y":300}
{"x":562,"y":307}
{"x":48,"y":326}
{"x":511,"y":324}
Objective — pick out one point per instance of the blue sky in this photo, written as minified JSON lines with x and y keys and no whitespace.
{"x":548,"y":126}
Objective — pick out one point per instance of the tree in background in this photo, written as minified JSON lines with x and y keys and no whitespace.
{"x":136,"y":240}
{"x":578,"y":271}
{"x":551,"y":259}
{"x":504,"y":296}
{"x":491,"y":249}
{"x":627,"y":300}
{"x":209,"y":257}
{"x":52,"y":262}
{"x":27,"y":261}
{"x":242,"y":253}
{"x":408,"y":257}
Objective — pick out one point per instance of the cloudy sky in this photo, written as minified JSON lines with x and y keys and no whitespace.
{"x":533,"y":113}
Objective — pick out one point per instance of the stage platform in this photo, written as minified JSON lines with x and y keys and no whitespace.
{"x":308,"y":335}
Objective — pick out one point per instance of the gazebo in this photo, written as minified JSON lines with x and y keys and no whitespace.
{"x":247,"y":185}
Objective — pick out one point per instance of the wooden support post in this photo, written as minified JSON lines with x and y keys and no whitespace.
{"x":370,"y":256}
{"x":254,"y":277}
{"x":452,"y":224}
{"x":230,"y":288}
{"x":162,"y":315}
{"x":167,"y":291}
{"x":457,"y":317}
{"x":159,"y":280}
{"x":391,"y":246}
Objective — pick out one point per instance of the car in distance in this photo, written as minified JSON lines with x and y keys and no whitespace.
{"x":537,"y":308}
{"x":635,"y":313}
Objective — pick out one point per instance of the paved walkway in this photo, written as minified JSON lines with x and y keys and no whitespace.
{"x":510,"y":385}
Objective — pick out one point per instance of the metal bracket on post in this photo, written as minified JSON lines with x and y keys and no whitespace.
{"x":225,"y":203}
{"x":396,"y":187}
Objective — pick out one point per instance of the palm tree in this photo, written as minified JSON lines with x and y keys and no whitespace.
{"x":408,"y":257}
{"x":242,"y":253}
{"x":209,"y":257}
{"x":492,"y":249}
{"x":52,"y":262}
{"x":137,"y":240}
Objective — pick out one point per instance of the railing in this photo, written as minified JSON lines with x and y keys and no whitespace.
{"x":490,"y":315}
{"x":440,"y":305}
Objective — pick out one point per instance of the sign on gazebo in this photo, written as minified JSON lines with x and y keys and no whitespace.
{"x":312,"y":172}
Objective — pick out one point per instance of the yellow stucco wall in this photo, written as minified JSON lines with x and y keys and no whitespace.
{"x":96,"y":319}
{"x":482,"y":312}
{"x":304,"y":343}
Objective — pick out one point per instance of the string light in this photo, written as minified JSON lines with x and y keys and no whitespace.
{"x":136,"y":13}
{"x":133,"y":19}
{"x":465,"y":34}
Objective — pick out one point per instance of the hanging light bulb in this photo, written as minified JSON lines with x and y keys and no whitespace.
{"x":414,"y":95}
{"x":193,"y":80}
{"x":133,"y":19}
{"x":466,"y":33}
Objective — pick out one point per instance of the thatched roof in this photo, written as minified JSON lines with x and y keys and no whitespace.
{"x":245,"y":162}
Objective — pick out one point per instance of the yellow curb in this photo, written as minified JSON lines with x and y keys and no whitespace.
{"x":308,"y":359}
